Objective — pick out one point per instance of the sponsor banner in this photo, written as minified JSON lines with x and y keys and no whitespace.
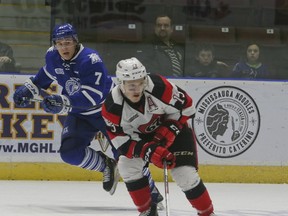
{"x":236,"y":123}
{"x":240,"y":122}
{"x":222,"y":109}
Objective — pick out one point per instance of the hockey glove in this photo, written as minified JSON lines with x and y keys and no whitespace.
{"x":156,"y":154}
{"x":24,"y":93}
{"x":167,"y":132}
{"x":56,"y":104}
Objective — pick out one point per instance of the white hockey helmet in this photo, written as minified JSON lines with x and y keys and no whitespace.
{"x":130,"y":69}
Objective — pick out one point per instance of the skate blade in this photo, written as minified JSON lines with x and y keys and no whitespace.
{"x":160,"y":206}
{"x":116,"y":180}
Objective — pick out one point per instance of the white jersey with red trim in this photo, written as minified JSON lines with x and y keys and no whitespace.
{"x":127,"y":122}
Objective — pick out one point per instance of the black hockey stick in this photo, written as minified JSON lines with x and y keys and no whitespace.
{"x":66,"y":105}
{"x":166,"y":187}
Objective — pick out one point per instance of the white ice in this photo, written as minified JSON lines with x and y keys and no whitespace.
{"x":62,"y":198}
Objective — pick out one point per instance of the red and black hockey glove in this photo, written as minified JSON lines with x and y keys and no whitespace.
{"x":167,"y":132}
{"x":156,"y":154}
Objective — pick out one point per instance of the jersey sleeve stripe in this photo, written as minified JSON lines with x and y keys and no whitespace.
{"x":112,"y":117}
{"x":92,"y":90}
{"x":48,"y":74}
{"x":167,"y":94}
{"x":86,"y":94}
{"x":164,"y":89}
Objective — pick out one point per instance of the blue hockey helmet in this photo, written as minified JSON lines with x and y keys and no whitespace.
{"x":64,"y":31}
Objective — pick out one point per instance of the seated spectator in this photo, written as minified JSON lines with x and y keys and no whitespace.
{"x":251,"y":66}
{"x":7,"y":61}
{"x":162,"y":56}
{"x":205,"y":65}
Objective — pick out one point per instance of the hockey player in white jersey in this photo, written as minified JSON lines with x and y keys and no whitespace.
{"x":148,"y":119}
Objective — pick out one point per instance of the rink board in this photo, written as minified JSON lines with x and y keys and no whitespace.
{"x":209,"y":173}
{"x":250,"y":147}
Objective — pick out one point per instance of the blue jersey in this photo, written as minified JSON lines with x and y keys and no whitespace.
{"x":244,"y":70}
{"x":84,"y":79}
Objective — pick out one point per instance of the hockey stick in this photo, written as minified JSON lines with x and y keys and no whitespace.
{"x":66,"y":105}
{"x":166,"y":187}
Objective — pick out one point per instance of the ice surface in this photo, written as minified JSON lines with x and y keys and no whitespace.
{"x":62,"y":198}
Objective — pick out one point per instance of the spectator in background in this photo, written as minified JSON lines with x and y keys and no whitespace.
{"x":7,"y":61}
{"x":204,"y":65}
{"x":162,"y":55}
{"x":251,"y":65}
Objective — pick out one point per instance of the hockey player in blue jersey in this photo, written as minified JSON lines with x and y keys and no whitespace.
{"x":85,"y":82}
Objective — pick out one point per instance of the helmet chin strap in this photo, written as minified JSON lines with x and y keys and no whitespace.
{"x":122,"y":88}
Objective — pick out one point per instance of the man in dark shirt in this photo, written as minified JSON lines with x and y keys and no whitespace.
{"x":165,"y":56}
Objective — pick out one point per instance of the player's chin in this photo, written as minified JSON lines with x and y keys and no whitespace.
{"x":66,"y":56}
{"x":135,"y":99}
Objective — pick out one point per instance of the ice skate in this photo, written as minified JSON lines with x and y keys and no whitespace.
{"x":152,"y":211}
{"x":157,"y":198}
{"x":111,"y":176}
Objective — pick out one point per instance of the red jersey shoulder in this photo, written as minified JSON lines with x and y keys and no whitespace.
{"x":162,"y":88}
{"x":112,"y":110}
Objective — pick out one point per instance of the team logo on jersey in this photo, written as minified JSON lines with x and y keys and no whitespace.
{"x":66,"y":66}
{"x":154,"y":123}
{"x":94,"y":58}
{"x":72,"y":85}
{"x":59,"y":71}
{"x":152,"y":106}
{"x":226,"y":122}
{"x":52,"y":48}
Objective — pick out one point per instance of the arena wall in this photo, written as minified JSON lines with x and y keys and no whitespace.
{"x":249,"y":145}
